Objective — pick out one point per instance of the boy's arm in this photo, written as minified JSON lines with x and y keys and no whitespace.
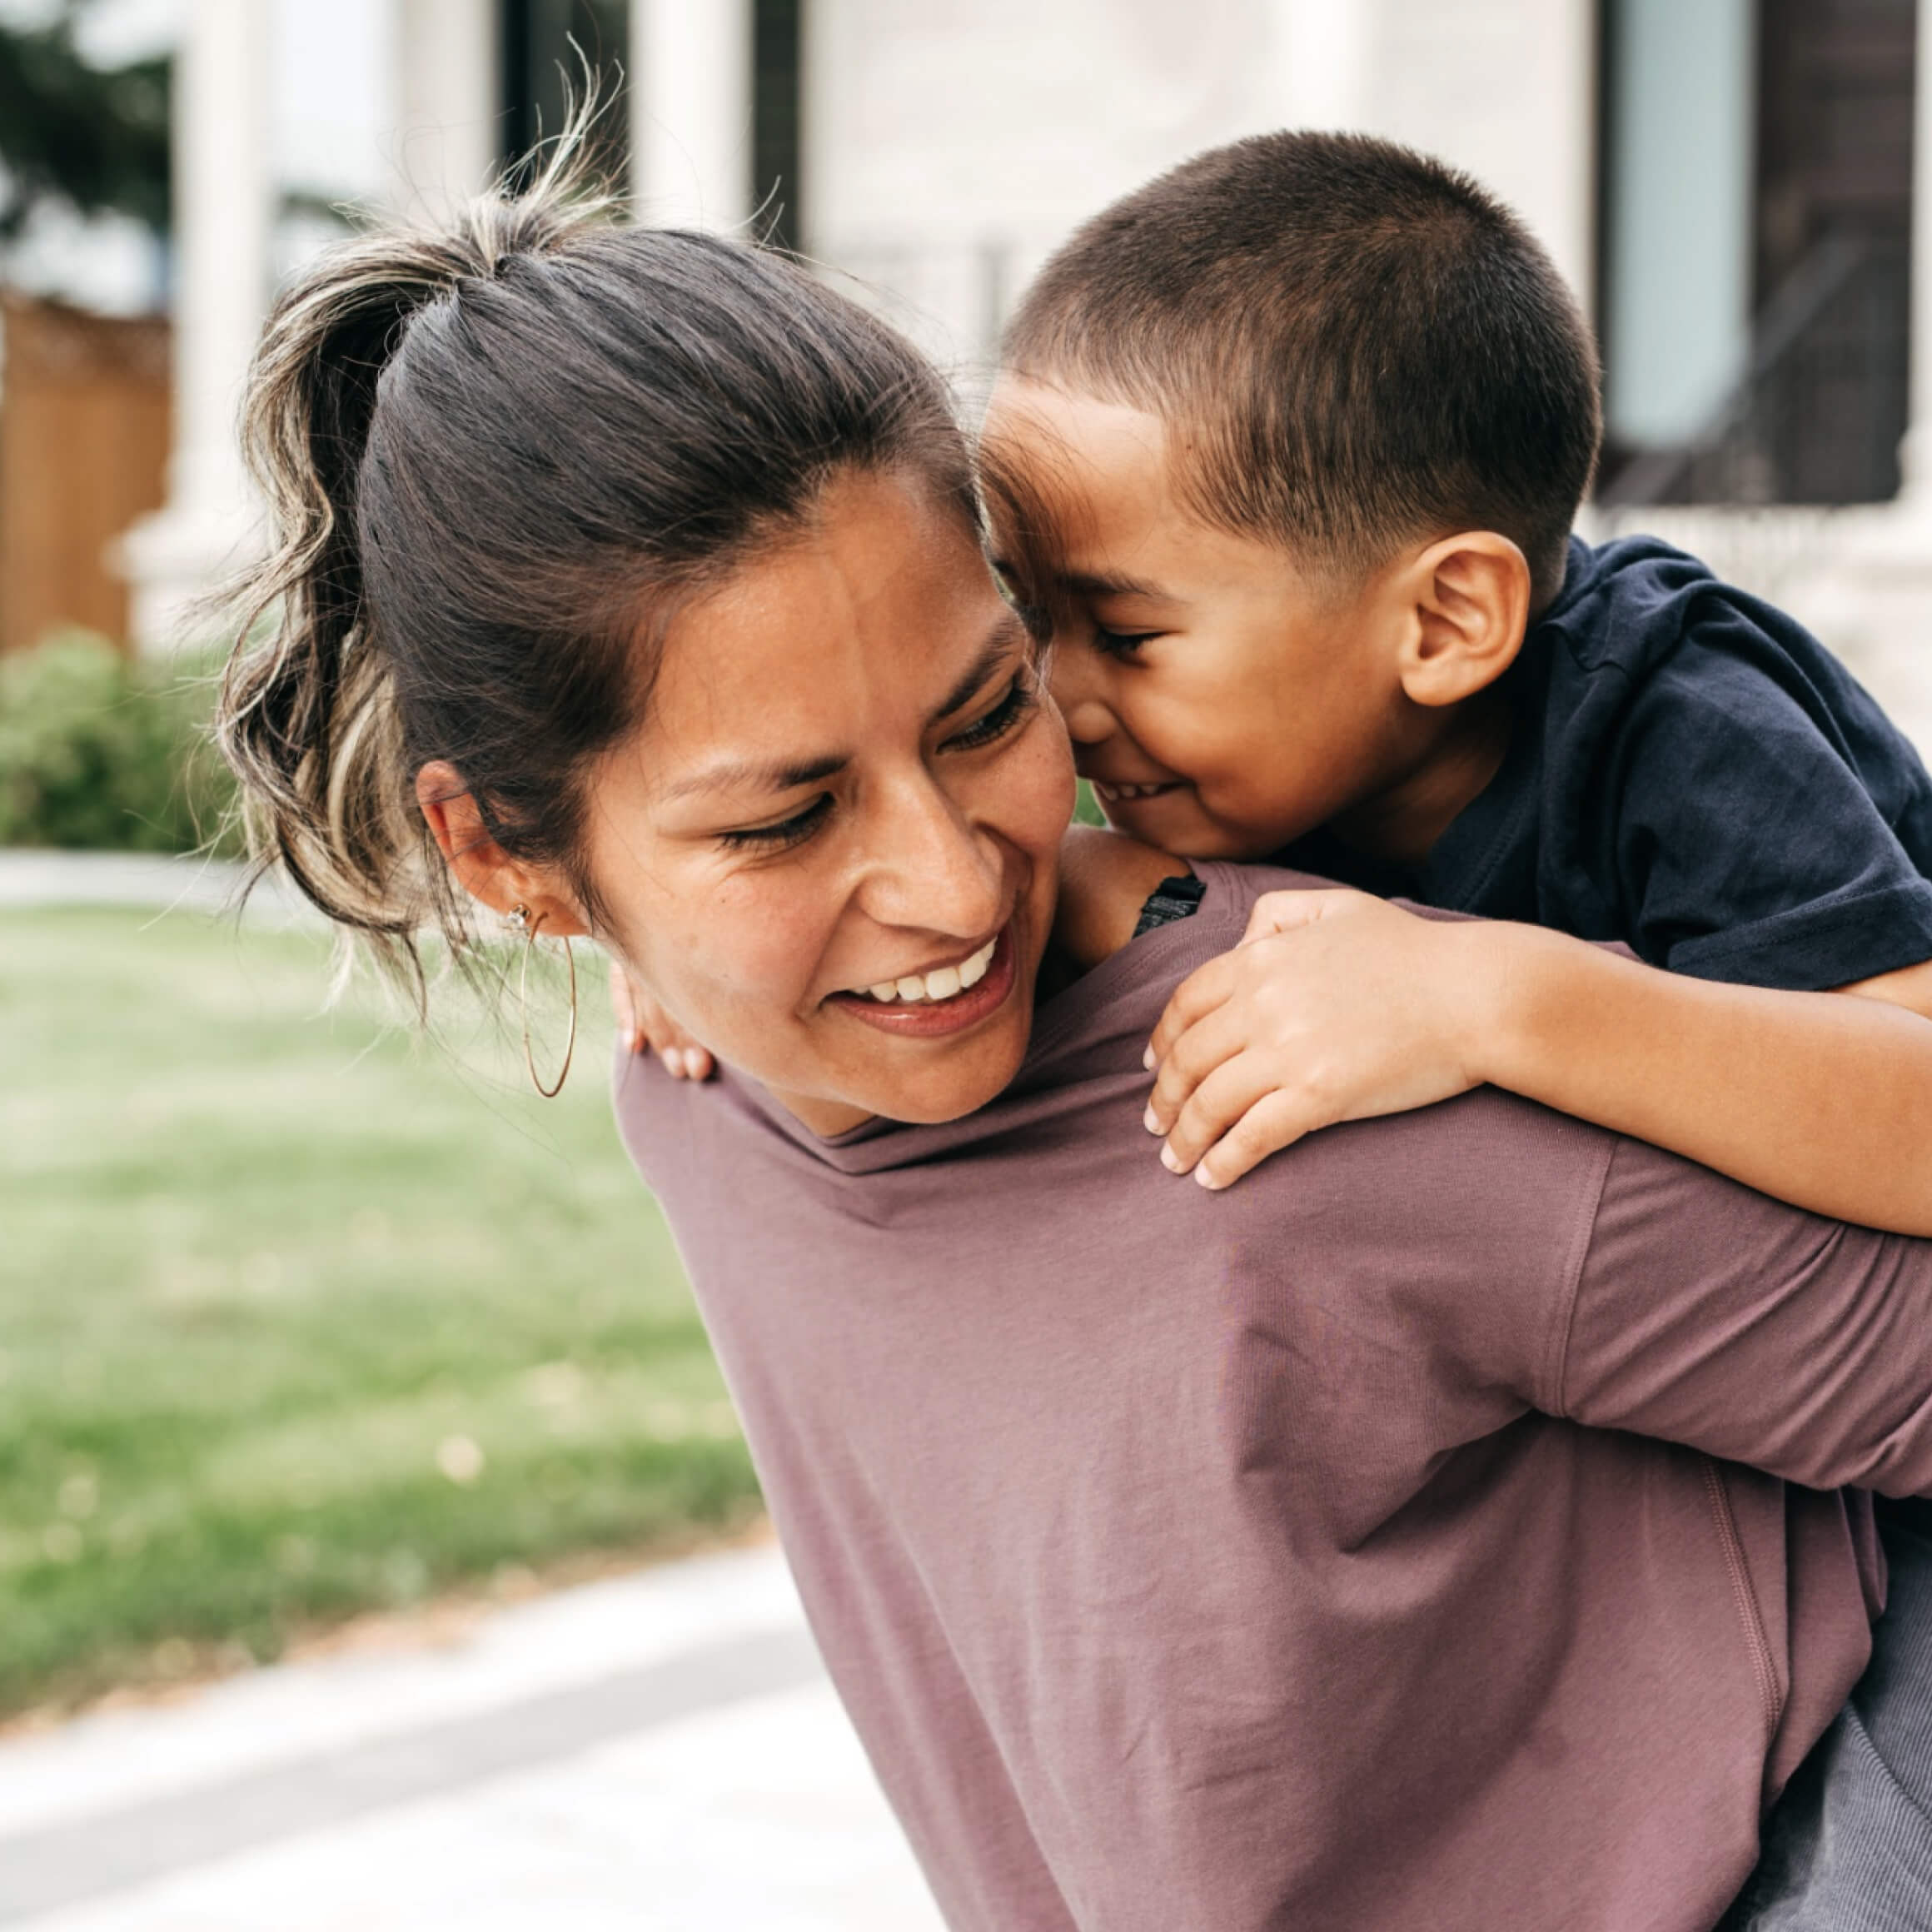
{"x":1911,"y":988}
{"x":1339,"y":1006}
{"x":1822,"y":1100}
{"x":1705,"y":1314}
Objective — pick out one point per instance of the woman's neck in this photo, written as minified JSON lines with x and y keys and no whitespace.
{"x":1106,"y":878}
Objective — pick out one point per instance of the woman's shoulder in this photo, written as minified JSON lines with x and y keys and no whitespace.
{"x":1106,"y":878}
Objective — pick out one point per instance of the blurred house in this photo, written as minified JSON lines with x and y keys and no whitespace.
{"x":83,"y":452}
{"x":1730,"y":185}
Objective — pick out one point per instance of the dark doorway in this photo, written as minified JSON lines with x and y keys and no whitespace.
{"x":1813,"y":409}
{"x":543,"y":47}
{"x":776,"y":29}
{"x":539,"y":44}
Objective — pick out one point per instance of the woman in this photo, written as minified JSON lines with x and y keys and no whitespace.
{"x":1183,"y":1563}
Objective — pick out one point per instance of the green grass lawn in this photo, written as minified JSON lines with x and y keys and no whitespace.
{"x":300,"y":1316}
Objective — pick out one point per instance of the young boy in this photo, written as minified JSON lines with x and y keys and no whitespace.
{"x":1286,"y":448}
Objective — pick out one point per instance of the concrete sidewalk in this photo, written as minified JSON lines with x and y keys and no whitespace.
{"x":658,"y":1751}
{"x":160,"y":882}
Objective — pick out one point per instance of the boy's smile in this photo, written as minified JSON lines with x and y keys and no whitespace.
{"x":1223,"y":699}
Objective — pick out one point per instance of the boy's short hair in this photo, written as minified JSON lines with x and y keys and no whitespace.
{"x":1371,"y":346}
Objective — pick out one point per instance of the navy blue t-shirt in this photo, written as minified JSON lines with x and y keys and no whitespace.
{"x":1692,"y":773}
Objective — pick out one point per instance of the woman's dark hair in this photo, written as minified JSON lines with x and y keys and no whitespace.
{"x":493,"y":454}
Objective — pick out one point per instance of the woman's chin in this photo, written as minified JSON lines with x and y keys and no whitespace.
{"x":953,"y":1081}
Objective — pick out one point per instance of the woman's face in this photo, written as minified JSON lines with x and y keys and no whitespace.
{"x":849,"y":779}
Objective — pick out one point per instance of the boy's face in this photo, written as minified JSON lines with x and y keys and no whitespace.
{"x":1221,"y":700}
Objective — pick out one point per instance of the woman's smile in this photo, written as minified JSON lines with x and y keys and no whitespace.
{"x":946,"y":1001}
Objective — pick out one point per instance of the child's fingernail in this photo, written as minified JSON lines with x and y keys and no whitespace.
{"x":1150,"y":1121}
{"x":1205,"y":1179}
{"x":1170,"y":1160}
{"x":1147,"y":1060}
{"x":694,"y":1062}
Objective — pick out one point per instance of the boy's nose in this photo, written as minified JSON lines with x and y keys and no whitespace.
{"x":1078,"y":694}
{"x":1088,"y":721}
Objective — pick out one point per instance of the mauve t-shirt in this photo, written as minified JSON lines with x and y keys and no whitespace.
{"x":1371,"y":1546}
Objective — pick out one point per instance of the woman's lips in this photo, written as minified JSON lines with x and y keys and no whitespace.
{"x":932,"y":1018}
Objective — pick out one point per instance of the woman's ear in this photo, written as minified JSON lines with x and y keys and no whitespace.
{"x":1470,"y":595}
{"x":480,"y":865}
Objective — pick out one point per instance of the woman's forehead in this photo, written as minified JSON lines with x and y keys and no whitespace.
{"x":877,"y":607}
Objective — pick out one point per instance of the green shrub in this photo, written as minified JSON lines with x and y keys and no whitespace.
{"x":99,"y":751}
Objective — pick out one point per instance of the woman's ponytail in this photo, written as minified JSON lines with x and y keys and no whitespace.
{"x":308,"y":715}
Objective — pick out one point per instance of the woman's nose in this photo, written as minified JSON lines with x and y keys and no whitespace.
{"x":935,"y":869}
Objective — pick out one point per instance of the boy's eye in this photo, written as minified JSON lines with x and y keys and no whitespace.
{"x":1020,"y":700}
{"x":792,"y":831}
{"x":1120,"y":643}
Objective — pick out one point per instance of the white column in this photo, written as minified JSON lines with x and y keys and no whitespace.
{"x":1320,"y":65}
{"x":447,"y":132}
{"x":691,"y":111}
{"x":221,"y":222}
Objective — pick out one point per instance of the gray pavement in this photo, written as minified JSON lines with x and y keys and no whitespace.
{"x":161,"y":882}
{"x":657,"y":1750}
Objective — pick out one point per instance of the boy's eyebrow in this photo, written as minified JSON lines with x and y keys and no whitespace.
{"x":1085,"y":583}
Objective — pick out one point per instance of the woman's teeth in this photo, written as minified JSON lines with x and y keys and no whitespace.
{"x":1112,"y":793}
{"x":944,"y":984}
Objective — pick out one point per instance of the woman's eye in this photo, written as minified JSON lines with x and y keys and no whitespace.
{"x":1120,"y":643}
{"x":1020,"y":700}
{"x":792,"y":831}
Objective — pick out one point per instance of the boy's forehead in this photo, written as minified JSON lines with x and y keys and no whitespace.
{"x":1047,"y":423}
{"x":1092,"y":472}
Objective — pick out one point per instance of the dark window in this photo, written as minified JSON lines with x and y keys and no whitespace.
{"x":775,"y":30}
{"x":542,"y":46}
{"x":1811,"y":404}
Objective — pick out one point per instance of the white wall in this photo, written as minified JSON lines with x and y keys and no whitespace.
{"x":951,"y":145}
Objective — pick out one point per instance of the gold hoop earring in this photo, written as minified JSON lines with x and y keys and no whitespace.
{"x":521,"y":920}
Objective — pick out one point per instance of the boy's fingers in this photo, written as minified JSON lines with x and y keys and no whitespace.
{"x":653,"y":1030}
{"x":1275,"y":1121}
{"x":1213,"y":1107}
{"x":1205,"y":989}
{"x":1284,"y":912}
{"x":1189,"y":1061}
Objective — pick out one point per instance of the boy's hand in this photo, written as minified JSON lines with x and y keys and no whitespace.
{"x":1334,"y":1006}
{"x":646,"y":1028}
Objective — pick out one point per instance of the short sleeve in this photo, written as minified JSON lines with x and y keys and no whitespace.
{"x":1749,"y":843}
{"x":1709,"y":1315}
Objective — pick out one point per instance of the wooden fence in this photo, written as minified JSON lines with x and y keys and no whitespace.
{"x":83,"y":453}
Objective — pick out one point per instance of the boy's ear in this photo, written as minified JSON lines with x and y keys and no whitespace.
{"x":479,"y":864}
{"x":1470,"y":596}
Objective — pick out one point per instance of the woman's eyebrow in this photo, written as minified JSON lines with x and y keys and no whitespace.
{"x":784,"y":775}
{"x":774,"y":774}
{"x":999,"y":642}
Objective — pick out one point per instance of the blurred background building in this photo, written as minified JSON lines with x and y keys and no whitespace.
{"x":1729,"y":185}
